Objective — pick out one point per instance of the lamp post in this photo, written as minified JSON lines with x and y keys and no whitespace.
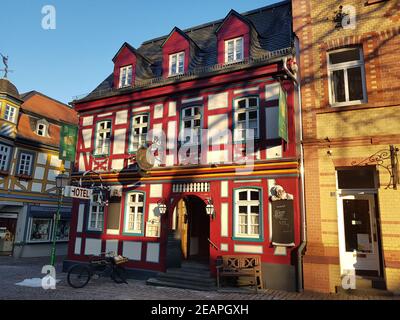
{"x":62,"y":181}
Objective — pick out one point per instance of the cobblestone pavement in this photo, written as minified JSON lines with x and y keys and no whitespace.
{"x":16,"y":270}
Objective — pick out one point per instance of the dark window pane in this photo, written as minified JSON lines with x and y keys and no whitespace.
{"x":145,"y":119}
{"x":344,"y":56}
{"x":254,"y":209}
{"x":242,"y":209}
{"x":242,"y":116}
{"x":356,"y":178}
{"x":357,"y":225}
{"x":197,"y":123}
{"x":188,"y":124}
{"x":253,"y":102}
{"x":243,"y":195}
{"x":253,"y":115}
{"x":254,"y":195}
{"x":242,"y":104}
{"x":355,"y":84}
{"x":188,"y":112}
{"x":338,"y":86}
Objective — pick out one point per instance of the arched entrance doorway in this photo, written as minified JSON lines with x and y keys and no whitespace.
{"x":192,"y":226}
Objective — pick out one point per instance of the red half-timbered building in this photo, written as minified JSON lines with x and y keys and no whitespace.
{"x":215,"y":80}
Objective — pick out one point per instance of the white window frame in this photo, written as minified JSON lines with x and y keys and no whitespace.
{"x":345,"y":66}
{"x":5,"y":155}
{"x":248,"y":203}
{"x":246,"y":110}
{"x":140,"y":126}
{"x":43,"y":130}
{"x":98,"y":212}
{"x":102,"y":133}
{"x":125,"y":76}
{"x":236,"y":50}
{"x":10,"y":113}
{"x":133,"y":217}
{"x":195,"y":136}
{"x":25,"y":163}
{"x":176,"y":71}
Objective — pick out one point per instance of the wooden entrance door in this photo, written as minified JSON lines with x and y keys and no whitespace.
{"x":183,"y":227}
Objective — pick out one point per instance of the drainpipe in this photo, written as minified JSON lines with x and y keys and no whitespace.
{"x":303,"y":234}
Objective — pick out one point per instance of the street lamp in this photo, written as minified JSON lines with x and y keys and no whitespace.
{"x":62,"y":180}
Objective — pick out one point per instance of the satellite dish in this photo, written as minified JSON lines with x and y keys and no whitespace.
{"x":144,"y":158}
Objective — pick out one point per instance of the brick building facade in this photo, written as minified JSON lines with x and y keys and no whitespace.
{"x":350,"y":107}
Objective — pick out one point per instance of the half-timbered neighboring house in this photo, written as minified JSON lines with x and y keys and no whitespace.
{"x":29,"y":163}
{"x":217,"y":107}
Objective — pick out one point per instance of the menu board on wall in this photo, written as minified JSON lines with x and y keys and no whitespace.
{"x":282,"y":223}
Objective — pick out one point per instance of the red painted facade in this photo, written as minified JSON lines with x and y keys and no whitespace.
{"x":276,"y":161}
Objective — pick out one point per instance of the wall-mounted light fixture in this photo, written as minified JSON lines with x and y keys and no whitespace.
{"x":210,"y":210}
{"x":162,"y":207}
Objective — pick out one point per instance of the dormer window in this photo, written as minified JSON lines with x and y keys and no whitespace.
{"x":176,"y":63}
{"x":41,"y":129}
{"x":234,"y":50}
{"x":125,"y":76}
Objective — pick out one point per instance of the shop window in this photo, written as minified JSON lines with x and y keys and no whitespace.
{"x":346,"y":77}
{"x":62,"y":230}
{"x":247,"y":208}
{"x":40,"y":230}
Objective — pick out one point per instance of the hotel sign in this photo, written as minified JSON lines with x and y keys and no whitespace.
{"x":78,"y":192}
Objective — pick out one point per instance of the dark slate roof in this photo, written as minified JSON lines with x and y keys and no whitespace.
{"x":271,"y":30}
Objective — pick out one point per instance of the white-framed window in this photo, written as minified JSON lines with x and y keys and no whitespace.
{"x":5,"y":154}
{"x":140,"y":124}
{"x":176,"y":63}
{"x":40,"y":229}
{"x":234,"y":50}
{"x":96,"y":213}
{"x":246,"y":117}
{"x":346,"y":76}
{"x":134,"y":213}
{"x":247,"y":213}
{"x":10,"y":113}
{"x":41,"y":128}
{"x":191,"y":125}
{"x":103,"y":137}
{"x":125,"y":76}
{"x":25,"y":163}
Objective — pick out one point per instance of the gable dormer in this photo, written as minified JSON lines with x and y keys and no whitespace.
{"x":233,"y":38}
{"x":176,"y":52}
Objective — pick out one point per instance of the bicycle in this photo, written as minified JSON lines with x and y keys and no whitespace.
{"x":108,"y":263}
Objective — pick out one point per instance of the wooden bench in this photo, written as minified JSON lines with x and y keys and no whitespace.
{"x":240,"y":266}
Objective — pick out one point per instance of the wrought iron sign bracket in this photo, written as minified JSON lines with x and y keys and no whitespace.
{"x":380,"y":159}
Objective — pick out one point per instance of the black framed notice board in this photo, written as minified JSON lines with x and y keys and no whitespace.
{"x":282,"y":222}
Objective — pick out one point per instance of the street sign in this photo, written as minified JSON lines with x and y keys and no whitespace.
{"x":78,"y":192}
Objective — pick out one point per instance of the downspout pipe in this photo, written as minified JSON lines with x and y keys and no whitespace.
{"x":303,"y":232}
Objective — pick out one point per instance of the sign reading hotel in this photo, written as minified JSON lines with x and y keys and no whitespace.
{"x":77,"y":192}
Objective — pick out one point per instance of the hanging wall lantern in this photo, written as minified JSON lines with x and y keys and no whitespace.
{"x":210,"y":208}
{"x":162,"y":207}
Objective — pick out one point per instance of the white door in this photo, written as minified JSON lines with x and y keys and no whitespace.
{"x":358,"y":238}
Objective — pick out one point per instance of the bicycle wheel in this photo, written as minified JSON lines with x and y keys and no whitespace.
{"x":78,"y":276}
{"x":118,"y":274}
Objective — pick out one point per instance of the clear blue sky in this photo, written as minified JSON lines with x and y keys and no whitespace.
{"x":75,"y":57}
